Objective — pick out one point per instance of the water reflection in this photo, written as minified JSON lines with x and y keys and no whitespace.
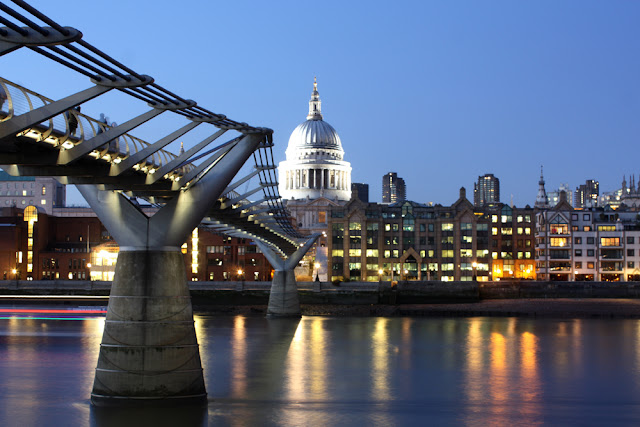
{"x":346,"y":371}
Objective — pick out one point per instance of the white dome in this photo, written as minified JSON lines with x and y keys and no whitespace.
{"x":314,"y":134}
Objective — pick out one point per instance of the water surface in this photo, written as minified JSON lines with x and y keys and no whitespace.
{"x":345,"y":371}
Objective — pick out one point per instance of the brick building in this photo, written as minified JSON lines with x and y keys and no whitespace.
{"x":413,"y":241}
{"x":73,"y":244}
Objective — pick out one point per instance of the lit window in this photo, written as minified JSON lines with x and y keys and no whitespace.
{"x":609,"y":241}
{"x":43,"y":202}
{"x":558,"y":241}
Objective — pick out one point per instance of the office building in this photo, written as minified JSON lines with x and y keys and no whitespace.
{"x":414,"y":241}
{"x":21,"y":191}
{"x":361,"y":191}
{"x":393,"y":188}
{"x":586,"y":195}
{"x":486,"y":191}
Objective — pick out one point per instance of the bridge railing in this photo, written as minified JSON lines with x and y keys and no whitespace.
{"x":72,"y":128}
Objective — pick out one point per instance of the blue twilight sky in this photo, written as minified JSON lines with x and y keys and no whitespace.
{"x":440,"y":92}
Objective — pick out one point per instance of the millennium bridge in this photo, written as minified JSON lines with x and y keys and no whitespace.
{"x":149,"y":352}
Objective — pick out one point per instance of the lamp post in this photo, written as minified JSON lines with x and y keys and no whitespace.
{"x":317,"y":267}
{"x":240,"y":273}
{"x":474,"y":265}
{"x":380,"y":273}
{"x":406,"y":274}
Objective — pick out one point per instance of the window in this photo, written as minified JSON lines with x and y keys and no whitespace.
{"x":609,"y":241}
{"x":387,"y":227}
{"x":578,"y":240}
{"x":630,"y":264}
{"x":606,"y":228}
{"x":574,"y":217}
{"x":322,"y":216}
{"x":590,"y":252}
{"x":372,"y":253}
{"x":355,"y":252}
{"x":586,"y":217}
{"x":494,"y":218}
{"x":423,"y":227}
{"x":559,"y":228}
{"x":578,"y":264}
{"x":519,"y":219}
{"x":447,"y":253}
{"x":494,"y":231}
{"x":506,"y":231}
{"x":387,"y":254}
{"x":590,"y":240}
{"x":447,"y":227}
{"x":629,"y":240}
{"x":586,"y":228}
{"x":466,"y":253}
{"x":590,"y":265}
{"x":558,"y":241}
{"x":431,"y":228}
{"x":630,"y":252}
{"x":578,"y":252}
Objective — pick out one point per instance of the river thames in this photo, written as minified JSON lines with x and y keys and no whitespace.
{"x":330,"y":371}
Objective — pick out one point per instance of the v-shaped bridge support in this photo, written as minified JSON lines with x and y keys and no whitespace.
{"x":149,"y":351}
{"x":283,"y":298}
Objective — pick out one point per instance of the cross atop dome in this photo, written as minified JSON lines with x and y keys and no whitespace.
{"x":315,"y":105}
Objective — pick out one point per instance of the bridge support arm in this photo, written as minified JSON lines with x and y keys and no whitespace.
{"x":283,"y":298}
{"x":149,"y":351}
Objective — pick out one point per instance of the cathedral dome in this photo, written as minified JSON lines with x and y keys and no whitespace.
{"x":315,"y":165}
{"x":314,"y":134}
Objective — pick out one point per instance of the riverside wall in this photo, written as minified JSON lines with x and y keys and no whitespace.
{"x":347,"y":293}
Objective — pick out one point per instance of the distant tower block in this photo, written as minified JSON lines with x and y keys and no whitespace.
{"x":486,"y":191}
{"x":394,"y":188}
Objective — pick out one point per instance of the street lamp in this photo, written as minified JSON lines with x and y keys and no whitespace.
{"x":240,"y":272}
{"x":317,"y":267}
{"x":406,"y":274}
{"x":380,"y":273}
{"x":474,"y":265}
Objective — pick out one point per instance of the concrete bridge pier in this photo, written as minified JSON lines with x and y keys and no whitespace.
{"x":283,"y":298}
{"x":149,"y":352}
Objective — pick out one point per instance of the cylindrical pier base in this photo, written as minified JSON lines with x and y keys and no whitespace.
{"x":149,"y":353}
{"x":283,"y":299}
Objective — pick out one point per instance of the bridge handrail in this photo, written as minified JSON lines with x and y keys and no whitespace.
{"x":72,"y":128}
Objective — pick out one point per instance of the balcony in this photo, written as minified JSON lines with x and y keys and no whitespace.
{"x":611,"y":266}
{"x":611,"y":254}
